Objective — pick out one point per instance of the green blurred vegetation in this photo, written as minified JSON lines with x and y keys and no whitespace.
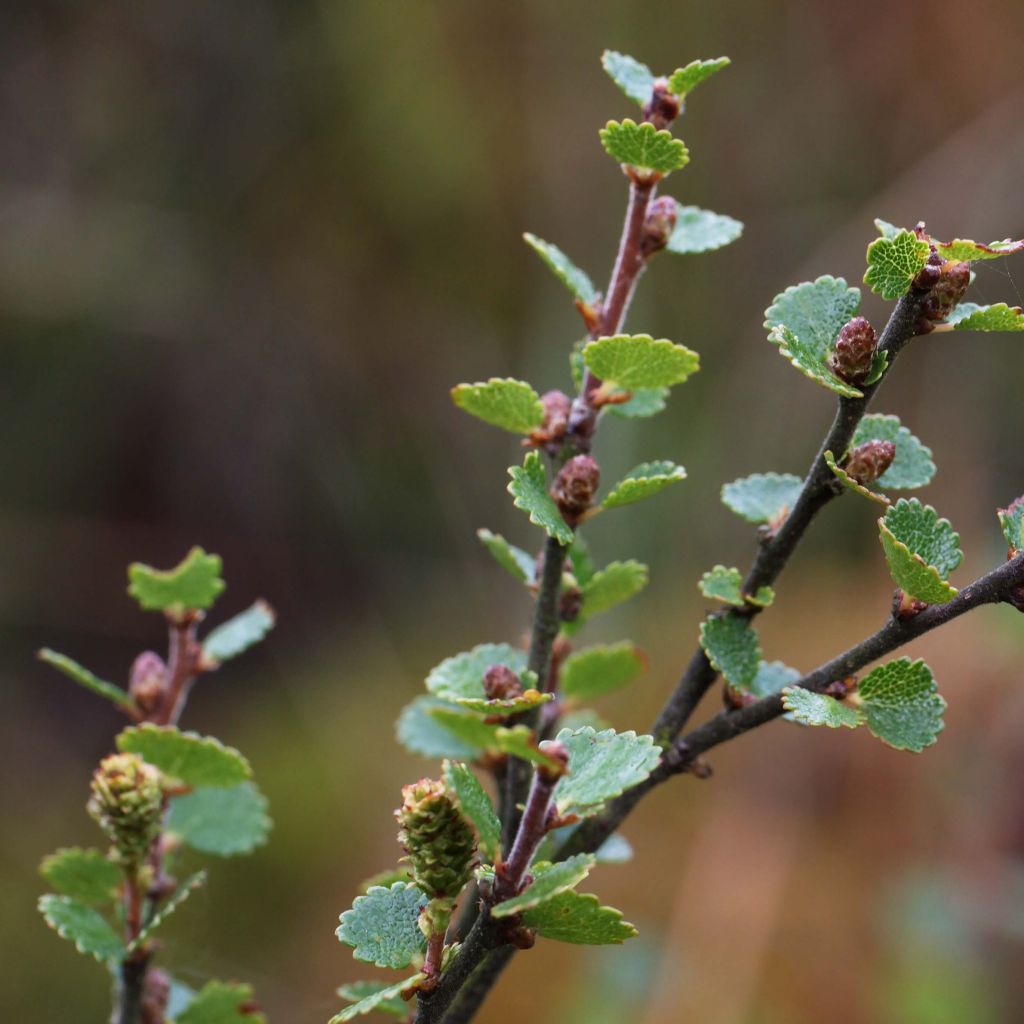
{"x":246,"y":248}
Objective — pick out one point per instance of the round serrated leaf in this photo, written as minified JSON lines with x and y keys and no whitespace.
{"x":221,"y":820}
{"x":549,"y":880}
{"x":726,"y":584}
{"x":602,"y":765}
{"x":633,"y":78}
{"x":698,"y":230}
{"x":639,"y":361}
{"x":894,"y":262}
{"x":610,"y":586}
{"x":421,"y":733}
{"x":964,"y":250}
{"x":460,"y":679}
{"x":685,"y":80}
{"x":88,"y":876}
{"x":510,"y":404}
{"x":513,"y":560}
{"x":643,"y":146}
{"x":644,"y":481}
{"x":969,"y":316}
{"x":601,"y":669}
{"x":368,"y":996}
{"x":580,"y":919}
{"x":382,"y":927}
{"x":221,"y":1002}
{"x":476,"y":805}
{"x":195,"y":760}
{"x":83,"y":926}
{"x":238,"y":634}
{"x":913,"y":465}
{"x":812,"y":708}
{"x":732,"y":647}
{"x":194,"y":584}
{"x":763,"y":497}
{"x":902,"y":705}
{"x":564,"y":269}
{"x":921,"y":550}
{"x":529,"y":490}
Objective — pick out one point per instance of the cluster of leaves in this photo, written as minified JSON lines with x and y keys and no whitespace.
{"x":210,"y":804}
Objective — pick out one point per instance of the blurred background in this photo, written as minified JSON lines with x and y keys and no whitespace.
{"x":246,"y":248}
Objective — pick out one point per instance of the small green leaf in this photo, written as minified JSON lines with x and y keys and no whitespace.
{"x":195,"y":760}
{"x":383,"y":926}
{"x":83,"y":926}
{"x":222,"y":820}
{"x":602,"y":765}
{"x":548,"y":881}
{"x":700,"y":230}
{"x":85,"y":875}
{"x":385,"y":998}
{"x":632,"y":77}
{"x":582,"y":563}
{"x":685,"y":80}
{"x":460,"y":679}
{"x":220,"y":1002}
{"x":420,"y":733}
{"x":732,"y":647}
{"x":469,"y":727}
{"x":644,"y":147}
{"x":771,"y":677}
{"x":601,"y":669}
{"x":804,"y":321}
{"x":82,"y":676}
{"x":615,"y":583}
{"x":763,"y":497}
{"x":921,"y":549}
{"x":639,"y":361}
{"x":726,"y":585}
{"x":529,"y":489}
{"x":193,"y":585}
{"x":512,"y":559}
{"x":644,"y":481}
{"x":893,"y":263}
{"x":812,"y":708}
{"x":510,"y":404}
{"x":645,"y":402}
{"x":240,"y":633}
{"x":1011,"y":521}
{"x":476,"y":806}
{"x":564,"y":269}
{"x":913,"y":465}
{"x":580,"y":919}
{"x":969,"y":316}
{"x":885,"y":229}
{"x":182,"y":893}
{"x":963,"y":250}
{"x":847,"y":481}
{"x":901,"y":704}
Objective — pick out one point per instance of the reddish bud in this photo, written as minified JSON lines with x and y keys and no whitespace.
{"x":574,"y":487}
{"x":147,"y":681}
{"x":569,"y":604}
{"x":663,"y":107}
{"x":659,"y":223}
{"x":905,"y":607}
{"x":557,"y":752}
{"x":840,"y":689}
{"x":947,"y":291}
{"x":868,"y":461}
{"x":557,"y":407}
{"x":155,"y":997}
{"x":928,"y":276}
{"x":501,"y":683}
{"x":855,"y":349}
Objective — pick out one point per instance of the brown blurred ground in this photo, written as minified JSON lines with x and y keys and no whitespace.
{"x":245,"y":248}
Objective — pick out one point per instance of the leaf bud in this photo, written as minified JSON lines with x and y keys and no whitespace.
{"x":557,"y":752}
{"x":127,"y":803}
{"x":574,"y":487}
{"x":501,"y":683}
{"x":439,"y":842}
{"x":868,"y":461}
{"x":569,"y":604}
{"x":147,"y":681}
{"x":854,"y":351}
{"x":947,"y":291}
{"x":928,"y":276}
{"x":663,"y":107}
{"x":659,"y":223}
{"x":156,"y":995}
{"x":557,"y":407}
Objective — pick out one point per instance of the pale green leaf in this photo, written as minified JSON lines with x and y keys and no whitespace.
{"x":221,"y":1002}
{"x":812,"y":708}
{"x":476,"y":805}
{"x":221,"y":820}
{"x":632,"y":77}
{"x":460,"y":679}
{"x":771,"y":677}
{"x":913,"y":465}
{"x":580,"y":919}
{"x":240,"y":633}
{"x":732,"y":647}
{"x":804,"y":321}
{"x":387,"y":878}
{"x":582,"y":564}
{"x":383,"y":998}
{"x":902,"y":705}
{"x":503,"y":402}
{"x":963,"y":250}
{"x":847,"y":481}
{"x":645,"y":402}
{"x":564,"y":269}
{"x":549,"y":880}
{"x":517,"y":741}
{"x":594,"y":671}
{"x":969,"y":316}
{"x":724,"y":584}
{"x":885,"y":229}
{"x":194,"y":584}
{"x":602,"y":765}
{"x":644,"y":481}
{"x":700,"y":230}
{"x":685,"y":80}
{"x":763,"y":497}
{"x":644,"y":147}
{"x":610,"y":586}
{"x":639,"y":361}
{"x":529,"y":489}
{"x":421,"y":733}
{"x":512,"y":559}
{"x":180,"y":895}
{"x":195,"y":760}
{"x":82,"y":676}
{"x":85,"y":875}
{"x":1011,"y":521}
{"x":894,"y":262}
{"x":921,"y":549}
{"x":83,"y":926}
{"x":577,"y":718}
{"x":382,"y":927}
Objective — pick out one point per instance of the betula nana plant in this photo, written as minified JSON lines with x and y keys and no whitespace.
{"x":162,"y":793}
{"x":532,"y":785}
